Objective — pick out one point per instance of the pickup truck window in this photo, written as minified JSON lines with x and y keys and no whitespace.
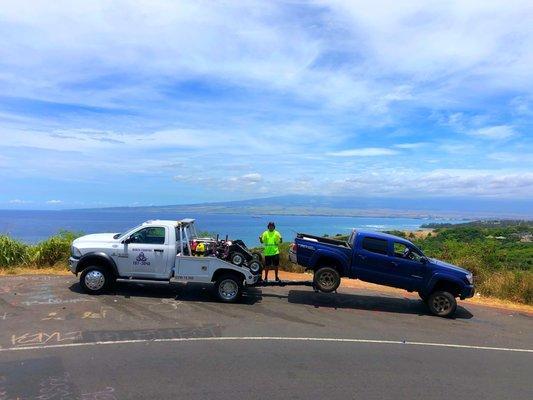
{"x":403,"y":251}
{"x":152,"y":235}
{"x":375,"y":245}
{"x":400,"y":250}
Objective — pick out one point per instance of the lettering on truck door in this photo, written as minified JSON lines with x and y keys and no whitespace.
{"x":148,"y":252}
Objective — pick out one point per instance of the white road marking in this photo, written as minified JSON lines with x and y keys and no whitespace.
{"x":265,"y":338}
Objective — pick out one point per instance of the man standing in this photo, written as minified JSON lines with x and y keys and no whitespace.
{"x":271,"y":238}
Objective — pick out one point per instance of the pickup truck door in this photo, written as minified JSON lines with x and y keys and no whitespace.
{"x":148,"y":253}
{"x":372,"y":261}
{"x":193,"y":269}
{"x":407,"y":267}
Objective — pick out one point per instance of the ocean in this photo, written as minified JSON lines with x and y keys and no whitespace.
{"x":34,"y":226}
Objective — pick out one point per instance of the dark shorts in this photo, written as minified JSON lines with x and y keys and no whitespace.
{"x":272,"y":261}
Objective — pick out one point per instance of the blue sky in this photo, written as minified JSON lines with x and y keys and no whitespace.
{"x":160,"y":102}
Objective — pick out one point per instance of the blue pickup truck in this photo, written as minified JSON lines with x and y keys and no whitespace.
{"x":386,"y":260}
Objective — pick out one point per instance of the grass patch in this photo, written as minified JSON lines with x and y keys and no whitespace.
{"x":49,"y":254}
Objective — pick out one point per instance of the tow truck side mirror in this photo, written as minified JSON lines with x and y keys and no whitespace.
{"x":126,"y":241}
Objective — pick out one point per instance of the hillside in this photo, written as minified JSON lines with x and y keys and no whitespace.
{"x":357,"y":206}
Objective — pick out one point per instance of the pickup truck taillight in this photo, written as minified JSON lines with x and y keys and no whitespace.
{"x":294,"y":247}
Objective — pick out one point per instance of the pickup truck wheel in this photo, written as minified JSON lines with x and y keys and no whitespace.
{"x":327,"y":279}
{"x":255,"y":267}
{"x":95,"y":280}
{"x":228,"y":288}
{"x":237,"y":258}
{"x":442,"y":303}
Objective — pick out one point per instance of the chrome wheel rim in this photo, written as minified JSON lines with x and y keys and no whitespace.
{"x":441,"y":304}
{"x":237,"y":259}
{"x":94,"y":280}
{"x":326,"y":279}
{"x":228,"y":289}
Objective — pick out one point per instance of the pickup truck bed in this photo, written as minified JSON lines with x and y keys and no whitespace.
{"x":325,"y":240}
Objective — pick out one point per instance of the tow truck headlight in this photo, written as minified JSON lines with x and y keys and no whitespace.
{"x":470,"y":278}
{"x":75,"y":252}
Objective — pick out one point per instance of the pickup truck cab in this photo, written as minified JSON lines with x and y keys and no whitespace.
{"x":157,"y":250}
{"x":386,"y":260}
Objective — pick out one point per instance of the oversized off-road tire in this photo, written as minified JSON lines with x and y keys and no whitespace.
{"x":257,"y":256}
{"x":95,"y":279}
{"x":237,"y":258}
{"x":228,"y":288}
{"x":442,"y":303}
{"x":327,"y":279}
{"x":255,"y":267}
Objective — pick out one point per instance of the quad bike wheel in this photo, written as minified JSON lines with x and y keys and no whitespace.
{"x":255,"y":267}
{"x":237,"y":258}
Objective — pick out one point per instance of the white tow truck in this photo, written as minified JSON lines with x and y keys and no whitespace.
{"x":157,"y":250}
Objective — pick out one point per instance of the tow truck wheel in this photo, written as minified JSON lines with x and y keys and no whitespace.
{"x":255,"y":267}
{"x":327,"y":279}
{"x":237,"y":258}
{"x":228,"y":288}
{"x":442,"y":303}
{"x":94,"y":280}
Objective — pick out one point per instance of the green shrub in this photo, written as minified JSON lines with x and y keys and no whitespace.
{"x":53,"y":250}
{"x":13,"y":252}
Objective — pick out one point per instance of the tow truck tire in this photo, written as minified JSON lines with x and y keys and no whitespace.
{"x":442,"y":304}
{"x":237,"y":258}
{"x":255,"y":267}
{"x":228,"y":288}
{"x":95,"y":280}
{"x":327,"y":279}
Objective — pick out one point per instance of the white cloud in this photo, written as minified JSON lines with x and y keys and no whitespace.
{"x":512,"y":157}
{"x":19,"y":201}
{"x":437,"y":182}
{"x":415,"y":145}
{"x":364,"y":152}
{"x":251,"y":178}
{"x":494,"y":132}
{"x":54,"y":202}
{"x":247,"y":182}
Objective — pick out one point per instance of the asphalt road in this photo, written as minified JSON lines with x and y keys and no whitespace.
{"x":159,"y":341}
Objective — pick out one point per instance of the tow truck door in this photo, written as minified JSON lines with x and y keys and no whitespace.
{"x":148,"y":253}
